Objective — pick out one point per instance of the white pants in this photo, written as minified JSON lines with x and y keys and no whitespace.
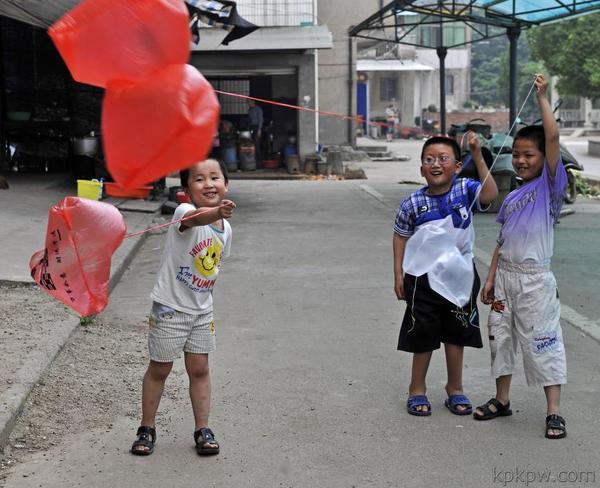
{"x":526,"y":312}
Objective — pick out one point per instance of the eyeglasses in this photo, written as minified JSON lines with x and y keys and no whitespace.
{"x":429,"y":160}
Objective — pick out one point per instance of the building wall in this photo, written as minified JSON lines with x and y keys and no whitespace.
{"x":417,"y":90}
{"x":337,"y":67}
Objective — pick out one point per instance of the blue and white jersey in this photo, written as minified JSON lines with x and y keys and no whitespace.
{"x":420,"y":207}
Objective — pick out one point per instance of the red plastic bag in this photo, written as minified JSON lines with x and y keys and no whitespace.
{"x":159,"y":125}
{"x":74,"y":267}
{"x":103,"y":40}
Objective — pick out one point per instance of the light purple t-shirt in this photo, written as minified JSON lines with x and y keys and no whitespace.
{"x":528,"y":215}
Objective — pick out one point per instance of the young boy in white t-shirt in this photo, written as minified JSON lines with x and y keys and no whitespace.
{"x":182,"y":309}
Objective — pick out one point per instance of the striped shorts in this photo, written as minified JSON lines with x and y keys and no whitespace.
{"x":172,"y":331}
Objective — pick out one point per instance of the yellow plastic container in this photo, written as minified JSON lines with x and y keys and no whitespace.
{"x":90,"y":189}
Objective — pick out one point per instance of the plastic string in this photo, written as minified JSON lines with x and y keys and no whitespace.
{"x":508,"y":134}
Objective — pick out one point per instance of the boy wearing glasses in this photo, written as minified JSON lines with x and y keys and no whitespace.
{"x":430,"y":318}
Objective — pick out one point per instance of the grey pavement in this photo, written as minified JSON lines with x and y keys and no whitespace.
{"x":579,"y":148}
{"x":23,"y":220}
{"x":308,"y":389}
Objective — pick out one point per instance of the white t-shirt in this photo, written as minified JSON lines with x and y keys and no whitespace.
{"x":190,"y":265}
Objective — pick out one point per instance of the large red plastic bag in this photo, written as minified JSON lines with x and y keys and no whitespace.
{"x":74,"y":267}
{"x":103,"y":40}
{"x":159,"y":125}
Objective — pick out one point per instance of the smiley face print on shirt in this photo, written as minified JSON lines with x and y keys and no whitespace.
{"x":207,"y":260}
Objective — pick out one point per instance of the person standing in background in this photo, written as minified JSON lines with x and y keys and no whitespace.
{"x":255,"y":122}
{"x":391,"y":117}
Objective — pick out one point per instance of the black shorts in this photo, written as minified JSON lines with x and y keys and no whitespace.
{"x":430,"y":319}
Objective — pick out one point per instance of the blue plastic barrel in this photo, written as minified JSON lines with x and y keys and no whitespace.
{"x":229,"y":157}
{"x":289,"y":150}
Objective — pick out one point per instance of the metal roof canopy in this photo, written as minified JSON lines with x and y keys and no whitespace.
{"x":484,"y":18}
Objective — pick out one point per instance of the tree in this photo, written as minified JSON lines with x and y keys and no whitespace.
{"x":485,"y":69}
{"x":571,"y":51}
{"x":525,"y":75}
{"x":490,"y":71}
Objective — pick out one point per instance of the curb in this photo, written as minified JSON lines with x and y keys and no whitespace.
{"x":13,"y":400}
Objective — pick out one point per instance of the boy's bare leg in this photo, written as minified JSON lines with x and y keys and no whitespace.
{"x":152,"y":389}
{"x":420,"y":365}
{"x":454,"y":366}
{"x":553,"y":400}
{"x":198,"y":371}
{"x":502,"y":393}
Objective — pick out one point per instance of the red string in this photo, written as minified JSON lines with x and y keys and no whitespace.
{"x":357,"y":118}
{"x":160,"y":226}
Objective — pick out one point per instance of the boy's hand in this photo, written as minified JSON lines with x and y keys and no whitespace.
{"x":399,"y":286}
{"x":473,"y":141}
{"x":226,"y":209}
{"x":541,"y":84}
{"x":487,"y":292}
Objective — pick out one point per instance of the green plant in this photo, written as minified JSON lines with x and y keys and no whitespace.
{"x":584,"y":187}
{"x":85,"y":321}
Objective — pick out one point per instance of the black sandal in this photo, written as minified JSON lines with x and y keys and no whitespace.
{"x":146,"y":437}
{"x":208,"y":445}
{"x":488,"y":413}
{"x":556,"y":422}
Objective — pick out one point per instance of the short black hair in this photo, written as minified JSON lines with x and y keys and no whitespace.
{"x":184,"y":174}
{"x":534,"y":133}
{"x":448,"y":141}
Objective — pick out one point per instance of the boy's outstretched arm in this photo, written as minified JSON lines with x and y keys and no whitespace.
{"x":399,"y":245}
{"x":489,"y":190}
{"x":207,"y":215}
{"x":550,"y":126}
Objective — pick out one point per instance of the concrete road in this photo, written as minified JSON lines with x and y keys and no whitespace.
{"x":308,"y":388}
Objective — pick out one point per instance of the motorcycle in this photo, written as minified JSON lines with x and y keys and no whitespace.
{"x":494,"y":147}
{"x":499,"y":145}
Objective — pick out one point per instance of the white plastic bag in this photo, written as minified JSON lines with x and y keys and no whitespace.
{"x":445,"y":254}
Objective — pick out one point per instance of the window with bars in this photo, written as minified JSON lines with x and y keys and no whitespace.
{"x":232,"y":105}
{"x":388,"y":89}
{"x":277,"y":12}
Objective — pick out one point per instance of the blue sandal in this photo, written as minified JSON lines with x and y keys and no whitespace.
{"x":415,"y":401}
{"x":454,"y":401}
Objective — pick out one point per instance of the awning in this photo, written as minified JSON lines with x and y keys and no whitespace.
{"x":39,"y":13}
{"x":430,"y":24}
{"x":269,"y":39}
{"x":534,"y":11}
{"x":390,"y":65}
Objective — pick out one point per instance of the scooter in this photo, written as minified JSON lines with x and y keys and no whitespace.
{"x":494,"y":147}
{"x":500,"y":145}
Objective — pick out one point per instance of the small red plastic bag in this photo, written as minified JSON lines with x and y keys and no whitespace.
{"x":103,"y":40}
{"x":162,"y":124}
{"x":74,"y":267}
